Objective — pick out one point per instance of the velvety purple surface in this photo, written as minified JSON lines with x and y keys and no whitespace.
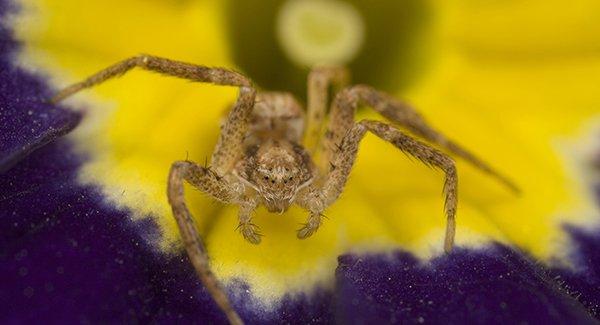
{"x":26,"y":122}
{"x":67,"y":257}
{"x":584,"y":282}
{"x":491,"y":286}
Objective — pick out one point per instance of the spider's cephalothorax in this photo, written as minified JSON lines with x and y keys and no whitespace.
{"x":277,"y":170}
{"x":262,"y":156}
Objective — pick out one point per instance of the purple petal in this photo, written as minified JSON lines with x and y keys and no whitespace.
{"x":26,"y":121}
{"x":583,"y":282}
{"x":492,"y":285}
{"x":66,"y":256}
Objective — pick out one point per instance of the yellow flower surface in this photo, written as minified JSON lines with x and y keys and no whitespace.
{"x":516,"y":82}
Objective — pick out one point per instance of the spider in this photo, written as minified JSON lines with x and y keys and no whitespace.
{"x":259,"y":157}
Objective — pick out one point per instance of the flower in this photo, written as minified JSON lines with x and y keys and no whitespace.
{"x":87,"y":235}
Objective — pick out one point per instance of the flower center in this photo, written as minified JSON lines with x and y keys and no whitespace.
{"x":314,"y":32}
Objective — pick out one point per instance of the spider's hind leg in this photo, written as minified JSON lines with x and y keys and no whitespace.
{"x":320,"y":80}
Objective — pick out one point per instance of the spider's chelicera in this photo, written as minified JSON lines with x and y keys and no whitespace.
{"x":264,"y":152}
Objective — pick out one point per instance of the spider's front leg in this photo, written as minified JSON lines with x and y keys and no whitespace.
{"x":316,"y":199}
{"x":402,"y":114}
{"x":229,"y":146}
{"x":209,"y":182}
{"x":343,"y":154}
{"x":183,"y":70}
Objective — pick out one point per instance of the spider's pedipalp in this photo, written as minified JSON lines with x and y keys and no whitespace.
{"x":310,"y":227}
{"x":249,"y":230}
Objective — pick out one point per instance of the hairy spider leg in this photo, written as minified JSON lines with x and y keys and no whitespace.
{"x":343,"y":153}
{"x":207,"y":181}
{"x":227,"y":152}
{"x":229,"y":144}
{"x":404,"y":115}
{"x":320,"y":80}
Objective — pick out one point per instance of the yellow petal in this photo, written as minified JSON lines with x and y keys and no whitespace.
{"x":513,"y":81}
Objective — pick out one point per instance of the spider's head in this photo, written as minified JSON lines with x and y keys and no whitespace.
{"x":277,"y":170}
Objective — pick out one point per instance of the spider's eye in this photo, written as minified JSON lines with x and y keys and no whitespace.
{"x":266,"y":177}
{"x":272,"y":181}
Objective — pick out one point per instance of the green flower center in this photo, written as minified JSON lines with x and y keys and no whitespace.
{"x":314,"y":32}
{"x":386,"y":44}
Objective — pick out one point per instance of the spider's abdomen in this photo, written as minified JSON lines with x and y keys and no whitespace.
{"x":277,"y":116}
